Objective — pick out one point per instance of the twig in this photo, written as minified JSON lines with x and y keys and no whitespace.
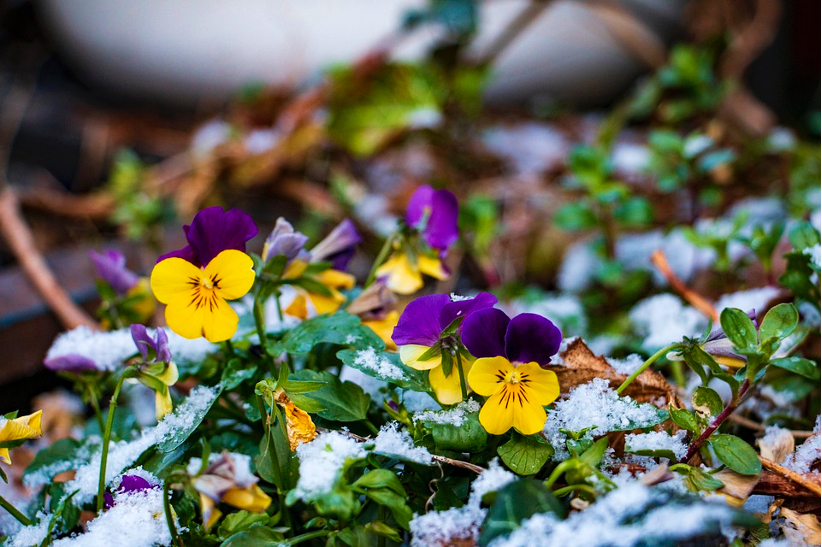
{"x":750,"y":424}
{"x":456,"y":463}
{"x":518,"y":24}
{"x":813,"y":486}
{"x":21,"y":241}
{"x":632,"y":35}
{"x":696,"y":300}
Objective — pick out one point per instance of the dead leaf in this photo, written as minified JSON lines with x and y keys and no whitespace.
{"x":776,"y":445}
{"x":737,"y":487}
{"x":807,"y":524}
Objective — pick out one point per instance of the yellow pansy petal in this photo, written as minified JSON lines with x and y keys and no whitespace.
{"x":729,"y":361}
{"x":4,"y":455}
{"x":336,"y":279}
{"x":327,"y":304}
{"x":298,"y":307}
{"x":488,"y":374}
{"x":495,"y":416}
{"x":384,"y":328}
{"x":410,"y":354}
{"x":529,"y":418}
{"x":173,"y":277}
{"x":432,"y":266}
{"x":251,"y":498}
{"x":141,"y":300}
{"x":210,"y":513}
{"x":232,"y":273}
{"x":447,"y":388}
{"x":299,"y":426}
{"x":220,"y":322}
{"x":162,"y":404}
{"x":401,"y":277}
{"x":170,"y":375}
{"x":24,"y":427}
{"x":543,"y":384}
{"x":294,"y":269}
{"x":184,"y":317}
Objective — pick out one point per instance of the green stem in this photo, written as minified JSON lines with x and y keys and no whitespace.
{"x":101,"y":485}
{"x":229,"y":348}
{"x":23,"y":519}
{"x":308,"y":535}
{"x":558,"y":471}
{"x":645,"y":365}
{"x":568,"y":489}
{"x":383,"y":254}
{"x":371,"y":427}
{"x":259,"y":322}
{"x":280,"y":494}
{"x":95,"y":404}
{"x":172,"y":528}
{"x":462,"y":376}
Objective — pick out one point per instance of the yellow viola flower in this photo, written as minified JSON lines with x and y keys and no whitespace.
{"x":331,"y":279}
{"x":298,"y":423}
{"x":375,"y":307}
{"x":405,"y":277}
{"x":384,"y":327}
{"x":18,"y":429}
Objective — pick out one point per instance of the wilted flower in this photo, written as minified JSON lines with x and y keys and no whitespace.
{"x":375,"y":307}
{"x":298,"y":423}
{"x":508,"y":370}
{"x":14,"y":431}
{"x":338,"y":246}
{"x":227,"y":479}
{"x":428,"y":337}
{"x":158,"y":371}
{"x":194,"y":282}
{"x":431,"y":214}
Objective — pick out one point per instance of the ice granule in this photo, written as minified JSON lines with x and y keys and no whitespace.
{"x":805,"y":455}
{"x":658,"y":440}
{"x":595,"y":405}
{"x":321,"y":461}
{"x":663,"y":319}
{"x":379,"y":365}
{"x":459,"y":298}
{"x":391,"y":441}
{"x":492,"y":479}
{"x":454,"y":416}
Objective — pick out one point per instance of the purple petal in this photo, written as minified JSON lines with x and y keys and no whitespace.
{"x":142,"y":340}
{"x":483,"y":332}
{"x":441,"y":230}
{"x":531,"y":337}
{"x":134,"y":483}
{"x":338,"y":246}
{"x":161,"y":346}
{"x":110,"y":266}
{"x":70,"y":363}
{"x":212,"y":231}
{"x":108,"y":500}
{"x":419,"y":205}
{"x":461,"y":308}
{"x":284,"y":240}
{"x":419,"y":322}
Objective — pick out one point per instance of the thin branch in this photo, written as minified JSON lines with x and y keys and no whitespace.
{"x":514,"y":28}
{"x":695,"y":299}
{"x":813,"y":486}
{"x":756,"y":426}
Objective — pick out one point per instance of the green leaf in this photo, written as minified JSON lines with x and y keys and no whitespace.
{"x":385,"y":366}
{"x":696,"y":479}
{"x":707,"y":401}
{"x":291,"y":386}
{"x":60,"y":456}
{"x":576,"y":215}
{"x":779,"y":322}
{"x":739,"y":328}
{"x":684,"y":419}
{"x":525,"y":455}
{"x":470,"y":436}
{"x":236,"y":372}
{"x":192,"y":422}
{"x":341,"y":401}
{"x":342,"y":328}
{"x":803,"y":235}
{"x":513,"y":504}
{"x":258,"y":536}
{"x":240,"y":521}
{"x":736,"y":454}
{"x":635,"y":212}
{"x":382,"y":529}
{"x":798,"y":365}
{"x":594,"y":454}
{"x":383,"y":487}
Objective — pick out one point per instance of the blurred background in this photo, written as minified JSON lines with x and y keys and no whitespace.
{"x":120,"y":119}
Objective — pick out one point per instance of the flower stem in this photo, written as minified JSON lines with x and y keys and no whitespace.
{"x":558,"y":471}
{"x":259,"y":322}
{"x":645,"y":365}
{"x":172,"y":528}
{"x":383,"y":254}
{"x":95,"y":404}
{"x":101,"y":485}
{"x":716,"y":423}
{"x":308,"y":535}
{"x":462,"y":376}
{"x":568,"y":489}
{"x":23,"y":519}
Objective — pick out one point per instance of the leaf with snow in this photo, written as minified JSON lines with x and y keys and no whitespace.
{"x":385,"y":366}
{"x":341,"y":328}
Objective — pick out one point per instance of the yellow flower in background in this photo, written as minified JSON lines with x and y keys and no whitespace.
{"x":384,"y":327}
{"x":331,"y":279}
{"x":18,"y":429}
{"x":405,"y":277}
{"x":298,"y":423}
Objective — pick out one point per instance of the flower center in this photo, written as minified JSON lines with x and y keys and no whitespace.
{"x":206,"y":282}
{"x":513,"y":377}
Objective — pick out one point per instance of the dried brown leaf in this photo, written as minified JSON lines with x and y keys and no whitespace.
{"x":775,"y":446}
{"x":807,"y":524}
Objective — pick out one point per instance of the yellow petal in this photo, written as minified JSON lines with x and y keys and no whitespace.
{"x":210,"y":513}
{"x":729,"y":361}
{"x":220,"y":323}
{"x":24,"y":427}
{"x":162,"y":404}
{"x":529,"y":418}
{"x":384,"y":328}
{"x":542,"y":385}
{"x":294,"y":269}
{"x":170,"y":375}
{"x":327,"y":304}
{"x":4,"y":455}
{"x":174,"y":277}
{"x":401,"y":277}
{"x":410,"y":354}
{"x":251,"y":498}
{"x":232,"y":273}
{"x":298,"y":307}
{"x":495,"y":416}
{"x":210,"y":316}
{"x":141,"y":301}
{"x":336,"y":279}
{"x":299,"y":425}
{"x":432,"y":266}
{"x":487,"y":376}
{"x":447,"y":388}
{"x":184,"y":316}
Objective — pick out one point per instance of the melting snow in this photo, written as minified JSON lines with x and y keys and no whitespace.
{"x":321,"y":461}
{"x":393,"y":442}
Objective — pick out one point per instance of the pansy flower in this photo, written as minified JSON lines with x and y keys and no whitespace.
{"x":431,"y":227}
{"x":126,"y":295}
{"x":194,"y":282}
{"x":130,"y":482}
{"x":227,"y":479}
{"x":375,"y":308}
{"x":718,"y":345}
{"x":157,"y":371}
{"x":14,"y":431}
{"x":508,"y":370}
{"x":428,"y":337}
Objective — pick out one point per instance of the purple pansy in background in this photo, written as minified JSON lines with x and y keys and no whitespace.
{"x":128,"y":484}
{"x":435,"y":213}
{"x":110,"y":266}
{"x":284,"y":240}
{"x":524,"y":339}
{"x":338,"y":246}
{"x":420,"y":329}
{"x":212,"y":231}
{"x":158,"y":344}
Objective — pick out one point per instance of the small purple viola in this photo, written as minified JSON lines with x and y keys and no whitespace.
{"x":427,"y":339}
{"x":153,"y":350}
{"x":158,"y":372}
{"x":284,"y":240}
{"x":212,"y":231}
{"x":110,"y":266}
{"x":129,"y":484}
{"x":527,"y":338}
{"x":435,"y":214}
{"x":338,"y":246}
